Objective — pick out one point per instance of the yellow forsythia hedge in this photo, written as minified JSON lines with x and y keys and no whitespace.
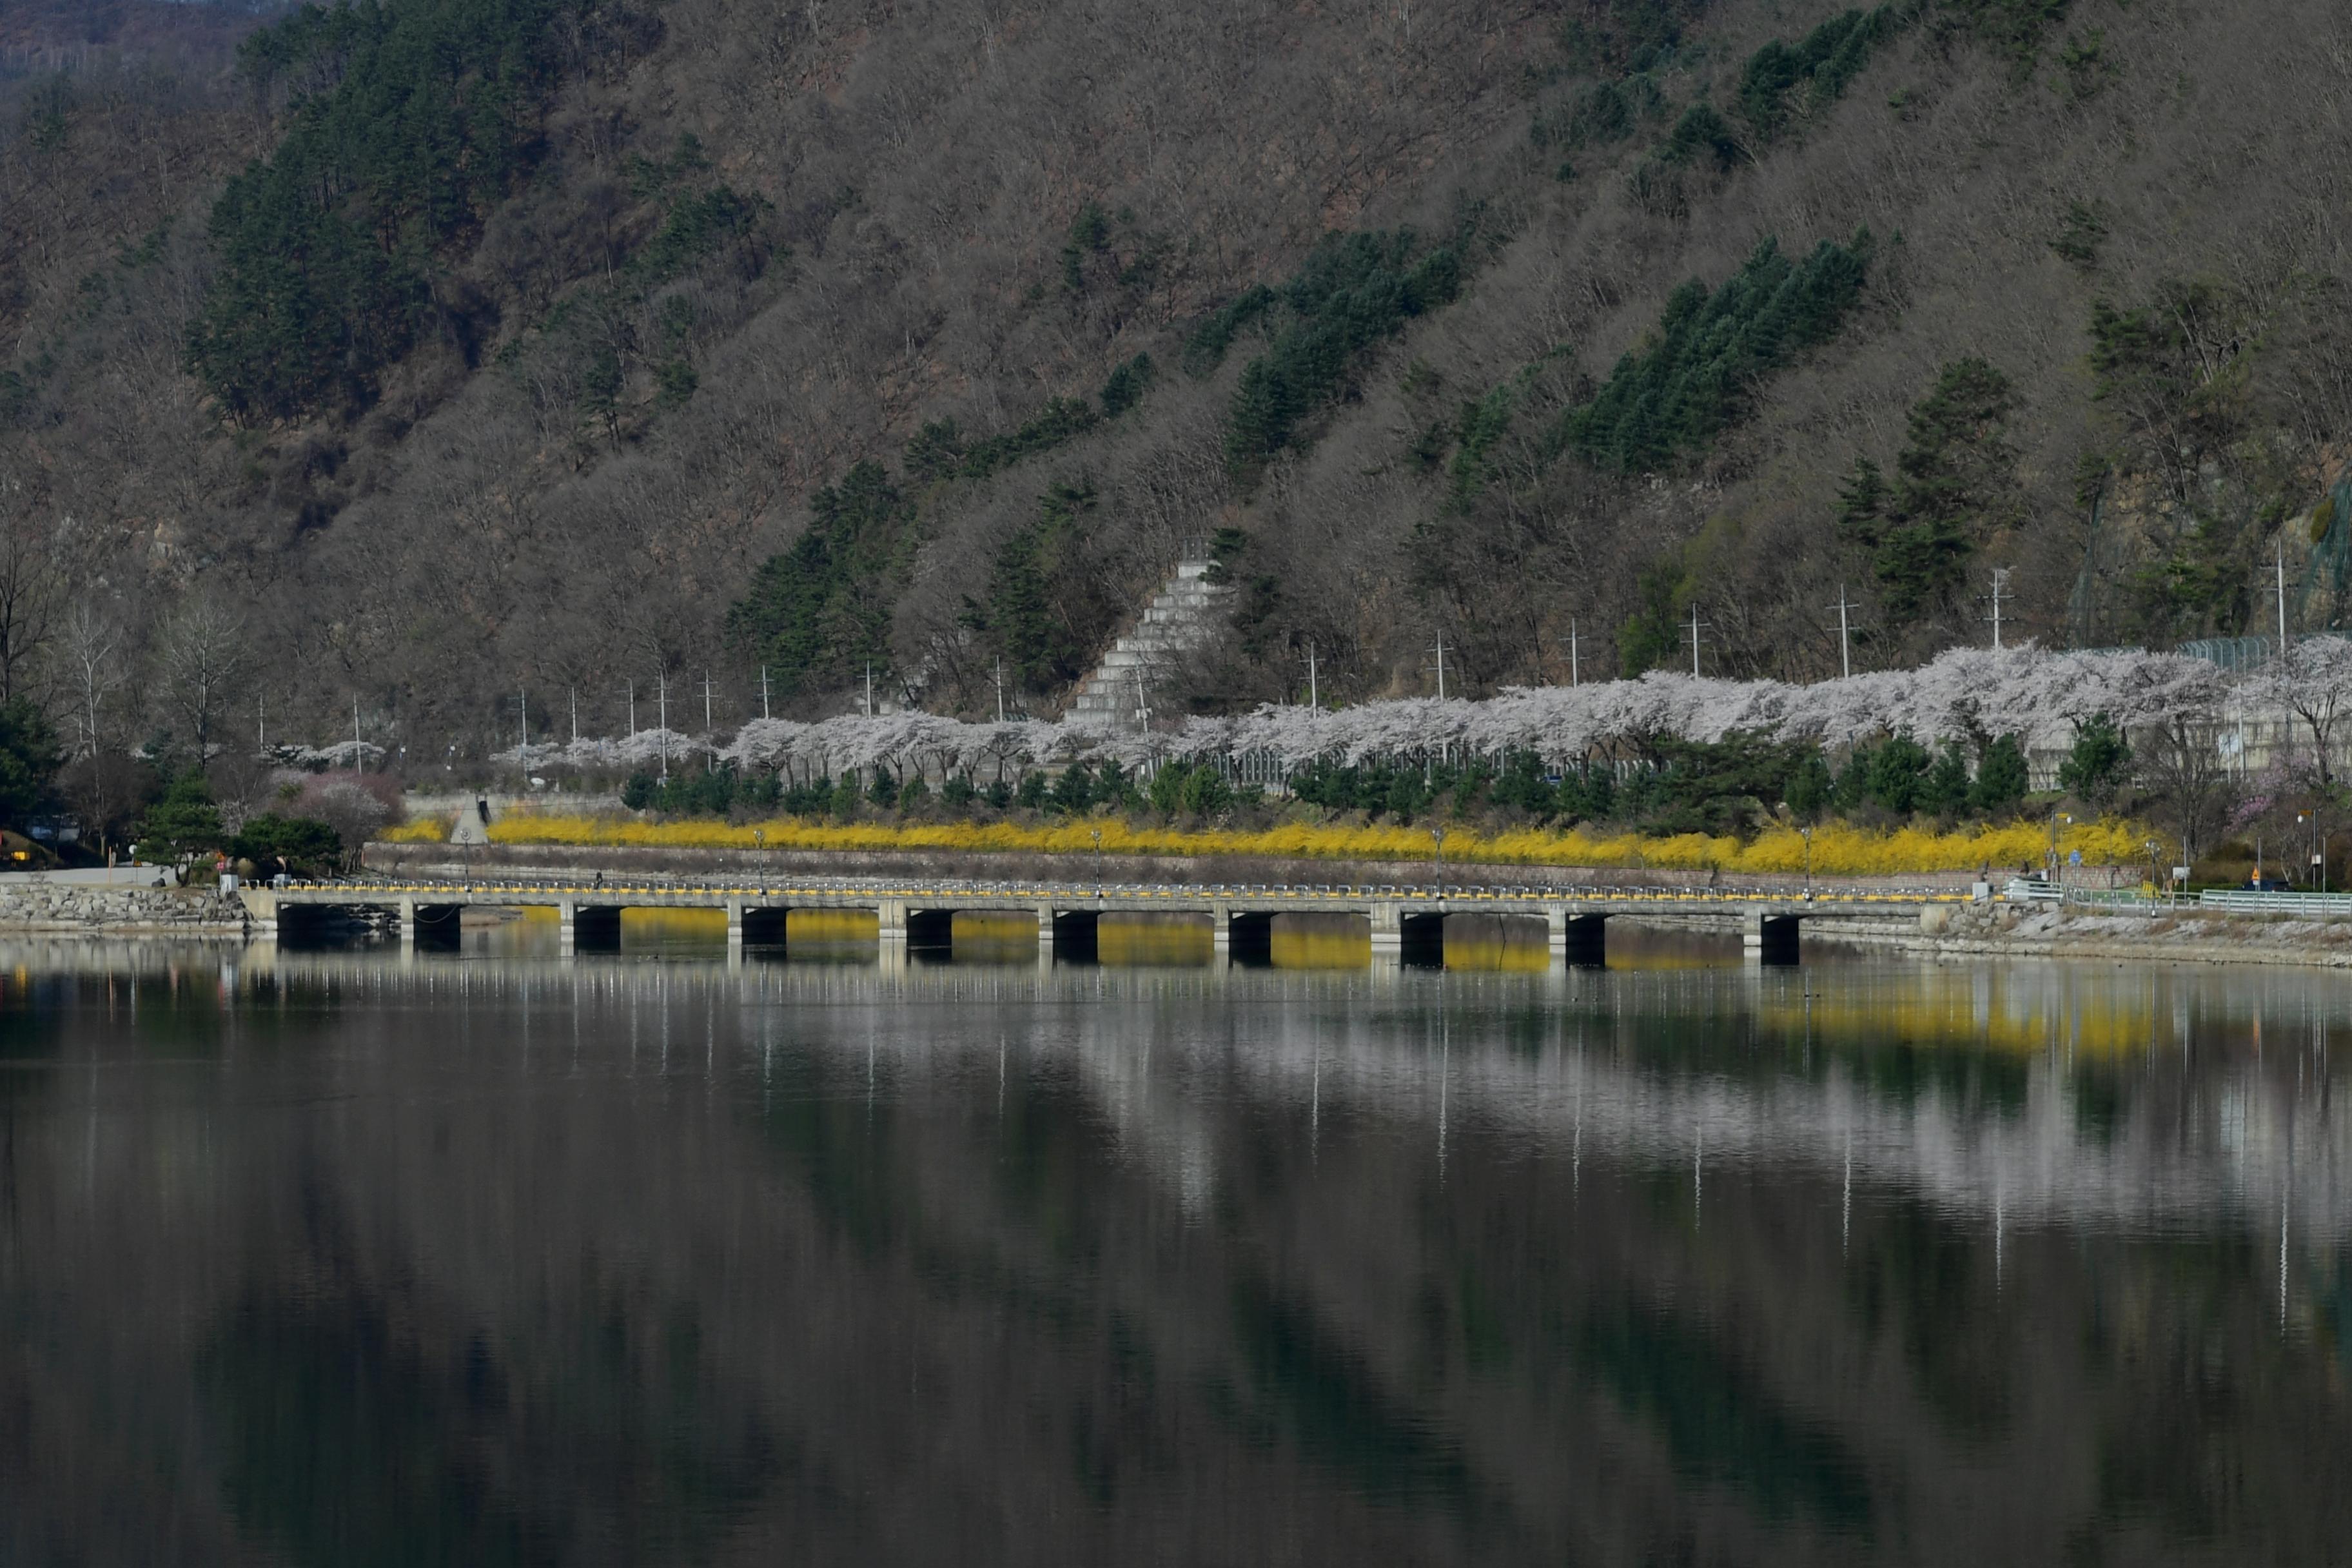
{"x":1837,"y":850}
{"x":418,"y":830}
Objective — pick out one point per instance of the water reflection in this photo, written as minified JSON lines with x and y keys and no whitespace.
{"x":344,"y":1257}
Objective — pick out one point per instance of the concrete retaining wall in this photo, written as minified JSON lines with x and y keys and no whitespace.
{"x":622,"y":861}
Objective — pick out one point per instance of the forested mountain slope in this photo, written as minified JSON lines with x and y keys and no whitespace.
{"x":435,"y":354}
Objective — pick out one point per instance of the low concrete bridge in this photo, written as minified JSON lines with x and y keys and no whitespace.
{"x":1401,"y":921}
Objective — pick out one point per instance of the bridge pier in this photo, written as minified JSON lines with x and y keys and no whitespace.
{"x":890,"y":923}
{"x":1580,"y":941}
{"x":592,"y":926}
{"x":1221,"y":931}
{"x":1388,"y":934}
{"x":1768,"y":940}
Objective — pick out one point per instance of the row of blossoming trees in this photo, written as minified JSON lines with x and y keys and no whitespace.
{"x":1967,"y":695}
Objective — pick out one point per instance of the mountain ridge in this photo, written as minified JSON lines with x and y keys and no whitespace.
{"x":924,"y":230}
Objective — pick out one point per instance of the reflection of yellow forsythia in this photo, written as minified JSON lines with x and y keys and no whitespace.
{"x":1837,"y":850}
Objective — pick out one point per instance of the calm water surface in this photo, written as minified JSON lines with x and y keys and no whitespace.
{"x":491,"y":1257}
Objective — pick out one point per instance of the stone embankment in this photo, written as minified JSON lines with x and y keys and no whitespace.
{"x":55,"y":908}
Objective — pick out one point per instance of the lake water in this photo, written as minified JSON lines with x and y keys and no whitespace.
{"x":494,"y":1257}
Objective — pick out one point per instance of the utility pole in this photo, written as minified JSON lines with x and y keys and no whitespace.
{"x":869,"y":688}
{"x":573,"y":693}
{"x":633,"y":707}
{"x":999,"y":691}
{"x":1441,"y":666}
{"x":523,"y":755}
{"x":2282,"y":595}
{"x":706,"y":704}
{"x":763,"y":691}
{"x":1575,"y":675}
{"x":1695,"y":624}
{"x":260,"y":725}
{"x":661,"y":691}
{"x":2000,"y":591}
{"x":1313,"y":691}
{"x":359,"y":758}
{"x":1846,"y":647}
{"x":1142,"y":709}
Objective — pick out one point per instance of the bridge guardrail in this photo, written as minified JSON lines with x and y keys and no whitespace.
{"x":2315,"y":904}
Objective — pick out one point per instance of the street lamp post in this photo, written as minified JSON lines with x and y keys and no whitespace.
{"x":1806,"y":832}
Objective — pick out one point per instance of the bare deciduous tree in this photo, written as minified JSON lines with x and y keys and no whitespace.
{"x":204,"y":659}
{"x":29,"y":582}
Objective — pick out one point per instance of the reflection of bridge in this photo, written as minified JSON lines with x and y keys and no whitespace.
{"x":1401,"y":921}
{"x":2157,"y":1099}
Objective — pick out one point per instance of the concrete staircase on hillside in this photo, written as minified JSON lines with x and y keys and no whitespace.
{"x":1184,"y":616}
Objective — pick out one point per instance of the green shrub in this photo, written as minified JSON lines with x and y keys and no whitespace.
{"x":29,"y":760}
{"x":1808,"y":787}
{"x":1701,"y":135}
{"x":2001,"y":777}
{"x":307,"y":844}
{"x":1945,"y":790}
{"x":185,"y":822}
{"x":1897,"y":778}
{"x":1074,"y":790}
{"x":1126,"y":387}
{"x":2098,"y":764}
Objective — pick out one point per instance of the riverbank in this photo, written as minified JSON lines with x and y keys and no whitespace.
{"x":51,"y":908}
{"x":2188,"y":936}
